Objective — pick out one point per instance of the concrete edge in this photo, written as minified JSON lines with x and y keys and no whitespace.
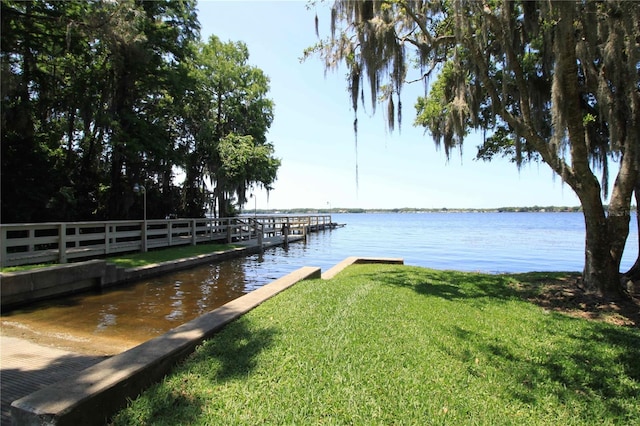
{"x":25,"y":286}
{"x":155,"y":269}
{"x":332,"y":272}
{"x":93,"y":395}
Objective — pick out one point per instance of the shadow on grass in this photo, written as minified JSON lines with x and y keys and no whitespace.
{"x":563,"y":292}
{"x":598,"y":365}
{"x":182,"y":397}
{"x":595,"y":364}
{"x":450,"y":285}
{"x":554,"y":291}
{"x":236,"y":349}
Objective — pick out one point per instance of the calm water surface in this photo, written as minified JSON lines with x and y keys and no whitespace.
{"x":486,"y":242}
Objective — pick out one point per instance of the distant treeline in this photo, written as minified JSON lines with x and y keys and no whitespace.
{"x":541,"y":209}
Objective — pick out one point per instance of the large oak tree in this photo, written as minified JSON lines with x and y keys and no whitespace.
{"x":556,"y":81}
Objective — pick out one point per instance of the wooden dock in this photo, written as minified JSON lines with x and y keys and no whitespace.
{"x":61,"y":242}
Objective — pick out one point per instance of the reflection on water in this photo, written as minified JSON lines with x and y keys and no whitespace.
{"x":138,"y":311}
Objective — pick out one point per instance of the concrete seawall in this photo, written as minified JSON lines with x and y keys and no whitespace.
{"x":359,"y":260}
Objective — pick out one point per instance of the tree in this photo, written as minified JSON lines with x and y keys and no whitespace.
{"x":245,"y":163}
{"x":556,"y":81}
{"x":147,"y":44}
{"x":87,"y":106}
{"x":229,"y":107}
{"x":98,"y":96}
{"x":32,"y":124}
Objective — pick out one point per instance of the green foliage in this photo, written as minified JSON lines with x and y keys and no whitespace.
{"x":98,"y":96}
{"x":402,"y":345}
{"x":446,"y":117}
{"x":229,"y":115}
{"x":91,"y":83}
{"x":244,"y":163}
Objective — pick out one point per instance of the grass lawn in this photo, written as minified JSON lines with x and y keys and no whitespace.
{"x":132,"y":260}
{"x":166,"y":254}
{"x":26,"y":267}
{"x":383,"y":344}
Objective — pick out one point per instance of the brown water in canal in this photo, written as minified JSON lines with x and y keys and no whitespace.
{"x":118,"y":319}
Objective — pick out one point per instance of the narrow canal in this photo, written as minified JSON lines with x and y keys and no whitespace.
{"x":119,"y":318}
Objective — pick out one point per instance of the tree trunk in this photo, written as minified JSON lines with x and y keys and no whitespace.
{"x":600,"y":268}
{"x":222,"y":204}
{"x":191,"y":202}
{"x":603,"y":233}
{"x":606,"y":235}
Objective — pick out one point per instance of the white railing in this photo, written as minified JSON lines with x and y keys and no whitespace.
{"x":22,"y":244}
{"x":296,"y":225}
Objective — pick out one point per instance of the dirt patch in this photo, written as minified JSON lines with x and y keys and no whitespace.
{"x":564,"y":293}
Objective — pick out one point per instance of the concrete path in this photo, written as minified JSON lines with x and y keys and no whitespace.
{"x":26,"y":367}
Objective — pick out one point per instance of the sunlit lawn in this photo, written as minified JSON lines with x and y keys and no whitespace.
{"x":132,"y":260}
{"x":383,"y":344}
{"x":25,"y":267}
{"x":166,"y":254}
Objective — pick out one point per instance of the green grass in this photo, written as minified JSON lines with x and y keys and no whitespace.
{"x":26,"y":267}
{"x":157,"y":256}
{"x":383,"y":344}
{"x":133,"y":260}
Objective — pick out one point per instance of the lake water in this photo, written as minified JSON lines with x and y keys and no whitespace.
{"x":485,"y":242}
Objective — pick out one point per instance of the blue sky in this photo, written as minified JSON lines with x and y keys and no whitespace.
{"x":313,"y":130}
